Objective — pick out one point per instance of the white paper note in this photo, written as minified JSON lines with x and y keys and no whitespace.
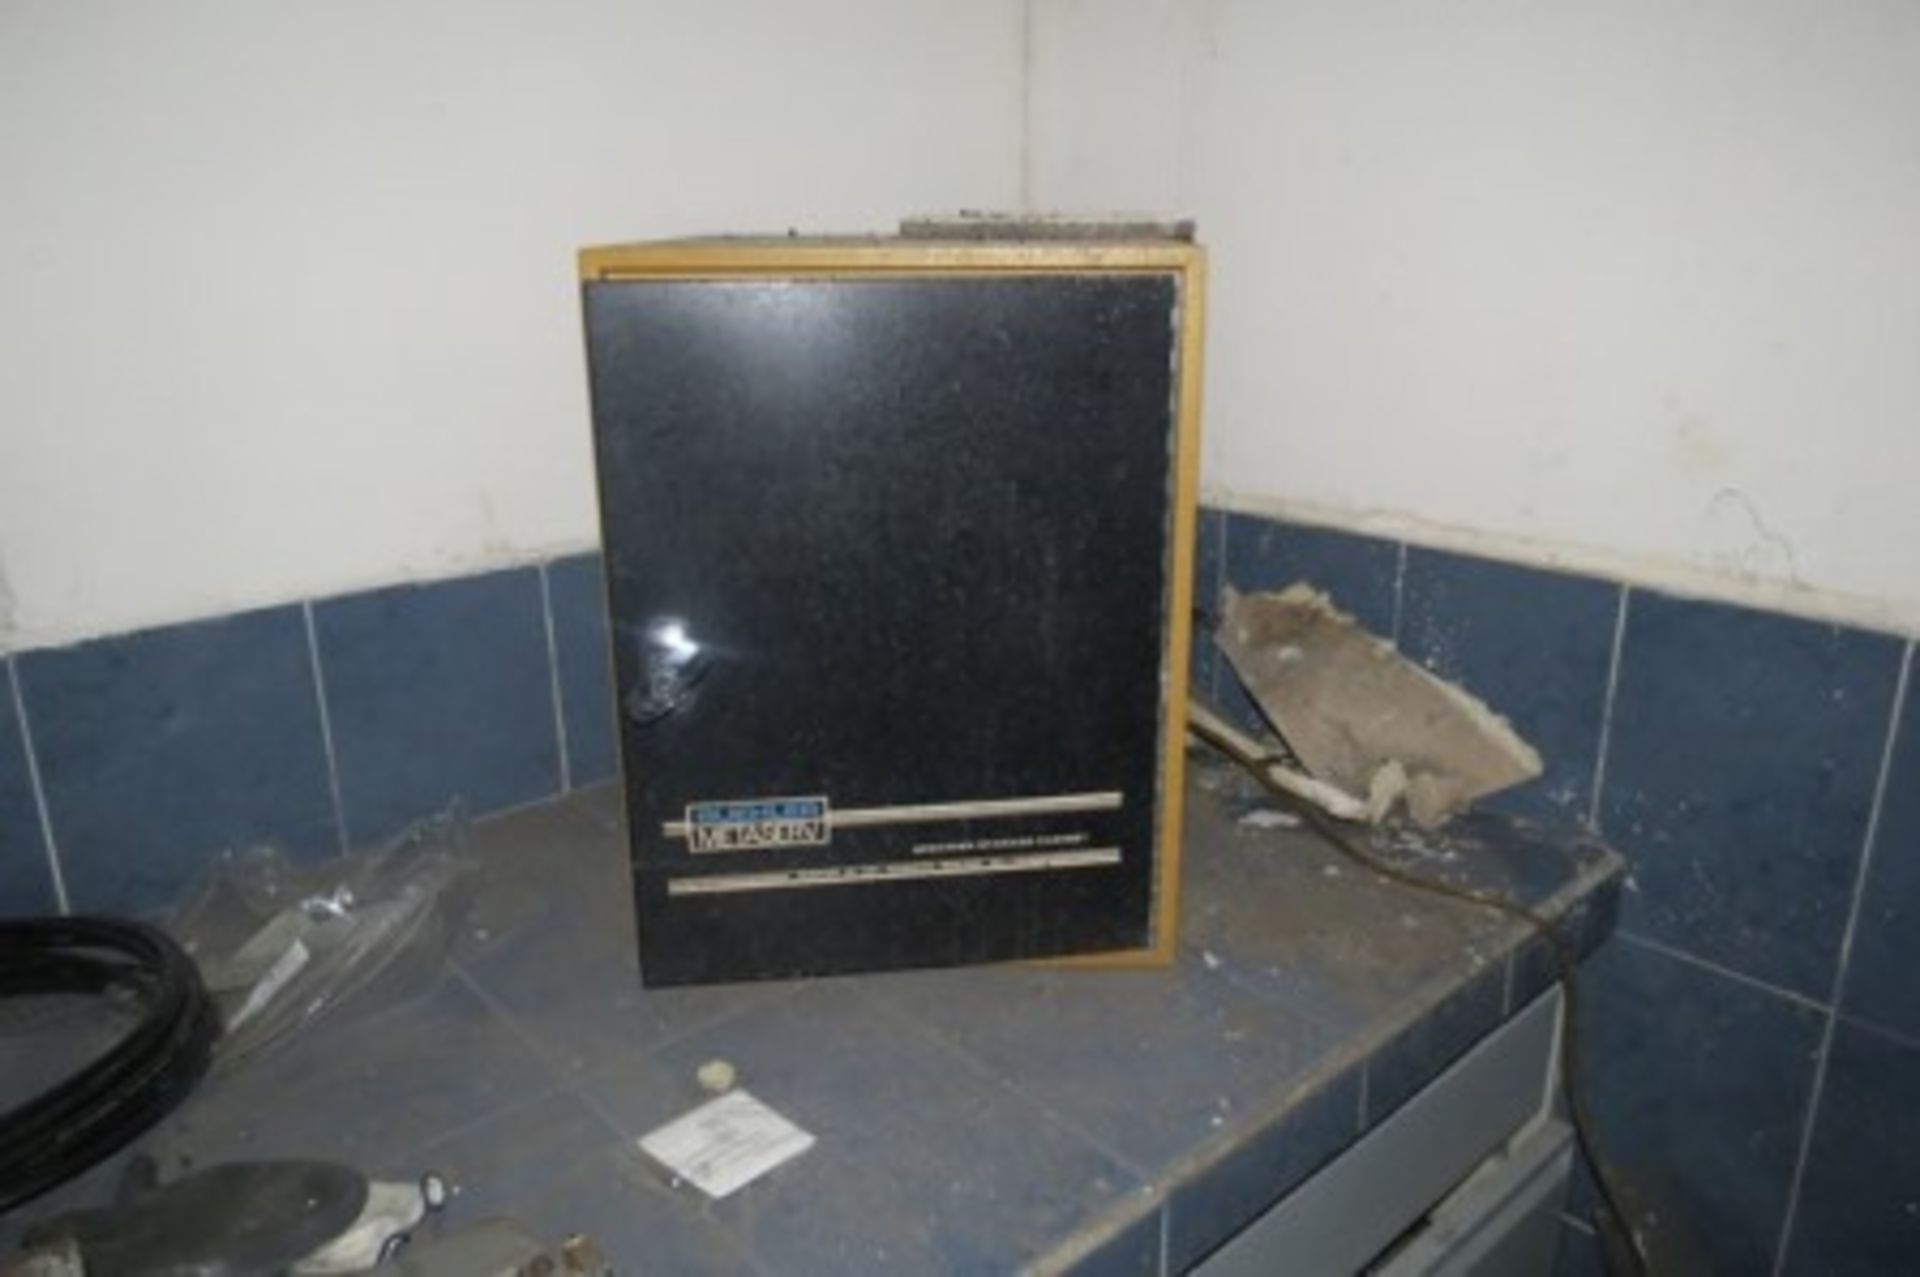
{"x":726,"y":1143}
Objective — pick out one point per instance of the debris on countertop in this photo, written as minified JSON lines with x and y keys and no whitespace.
{"x":717,"y":1077}
{"x":967,"y":1110}
{"x":1363,"y":719}
{"x":1282,"y":772}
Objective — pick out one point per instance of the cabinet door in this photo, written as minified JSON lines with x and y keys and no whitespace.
{"x":890,"y":580}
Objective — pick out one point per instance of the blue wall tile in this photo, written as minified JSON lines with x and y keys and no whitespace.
{"x":1357,"y":572}
{"x":579,"y":600}
{"x":1700,"y":1084}
{"x":1742,"y":763}
{"x":1881,"y":984}
{"x":1209,"y":575}
{"x":1536,"y":646}
{"x":159,"y":749}
{"x":436,"y":693}
{"x":26,"y":882}
{"x":1744,"y":753}
{"x":1860,"y":1198}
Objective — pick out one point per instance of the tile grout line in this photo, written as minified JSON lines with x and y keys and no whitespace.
{"x":570,"y":1086}
{"x":1825,"y":1051}
{"x":467,"y":1125}
{"x":602,"y":1115}
{"x":1887,"y":1034}
{"x":523,"y":806}
{"x":47,"y":842}
{"x":984,"y":1072}
{"x":326,"y":727}
{"x":563,"y":1082}
{"x":1739,"y":977}
{"x":553,"y":682}
{"x":1606,"y":706}
{"x":1399,"y":589}
{"x":571,"y":1082}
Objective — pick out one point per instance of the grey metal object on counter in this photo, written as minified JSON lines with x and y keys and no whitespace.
{"x":227,"y":1221}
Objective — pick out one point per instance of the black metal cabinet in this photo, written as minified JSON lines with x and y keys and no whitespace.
{"x":894,"y":551}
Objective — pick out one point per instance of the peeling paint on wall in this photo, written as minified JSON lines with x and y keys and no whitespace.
{"x":1744,"y":543}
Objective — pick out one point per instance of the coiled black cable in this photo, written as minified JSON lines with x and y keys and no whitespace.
{"x":102,"y":1107}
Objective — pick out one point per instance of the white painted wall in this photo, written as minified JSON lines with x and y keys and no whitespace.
{"x":287,"y":302}
{"x":1627,"y":285}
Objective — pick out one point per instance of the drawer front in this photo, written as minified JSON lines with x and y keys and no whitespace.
{"x":1503,"y":1222}
{"x":1343,"y":1217}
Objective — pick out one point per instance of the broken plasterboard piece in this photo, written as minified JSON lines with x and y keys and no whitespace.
{"x":1363,"y":718}
{"x":726,"y":1143}
{"x":1280,"y":772}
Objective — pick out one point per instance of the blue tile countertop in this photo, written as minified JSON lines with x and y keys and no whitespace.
{"x":980,"y":1120}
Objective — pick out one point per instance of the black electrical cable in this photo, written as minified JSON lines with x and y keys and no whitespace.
{"x":1621,"y":1247}
{"x":97,"y":1110}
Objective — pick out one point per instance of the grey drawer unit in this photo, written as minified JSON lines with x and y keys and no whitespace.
{"x":1503,"y":1222}
{"x":1377,"y":1194}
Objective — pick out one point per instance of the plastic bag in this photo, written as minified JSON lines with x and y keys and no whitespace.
{"x":282,"y":943}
